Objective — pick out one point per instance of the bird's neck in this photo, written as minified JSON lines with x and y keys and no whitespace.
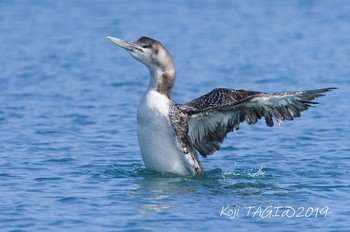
{"x":162,"y":80}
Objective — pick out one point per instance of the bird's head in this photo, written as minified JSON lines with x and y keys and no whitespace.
{"x":148,"y":51}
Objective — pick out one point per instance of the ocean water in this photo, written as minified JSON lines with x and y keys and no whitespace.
{"x":69,"y":158}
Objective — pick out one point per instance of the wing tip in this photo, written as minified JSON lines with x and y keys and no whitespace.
{"x":323,"y":90}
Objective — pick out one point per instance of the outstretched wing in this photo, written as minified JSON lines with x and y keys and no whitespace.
{"x":221,"y":111}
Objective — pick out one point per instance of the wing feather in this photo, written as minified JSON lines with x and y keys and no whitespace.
{"x":221,"y":111}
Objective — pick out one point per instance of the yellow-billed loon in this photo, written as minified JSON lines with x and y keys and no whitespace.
{"x":169,"y":134}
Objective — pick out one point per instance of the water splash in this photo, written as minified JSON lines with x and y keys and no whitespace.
{"x":251,"y":173}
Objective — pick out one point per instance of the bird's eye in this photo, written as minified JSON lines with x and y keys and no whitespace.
{"x":146,"y":46}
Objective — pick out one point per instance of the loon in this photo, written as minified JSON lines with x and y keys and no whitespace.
{"x":170,"y":134}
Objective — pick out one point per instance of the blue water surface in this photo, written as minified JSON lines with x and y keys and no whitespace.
{"x":69,"y":157}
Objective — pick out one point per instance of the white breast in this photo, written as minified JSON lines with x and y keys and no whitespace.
{"x":160,"y":150}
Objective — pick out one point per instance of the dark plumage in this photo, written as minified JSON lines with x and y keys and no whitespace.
{"x":220,"y":111}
